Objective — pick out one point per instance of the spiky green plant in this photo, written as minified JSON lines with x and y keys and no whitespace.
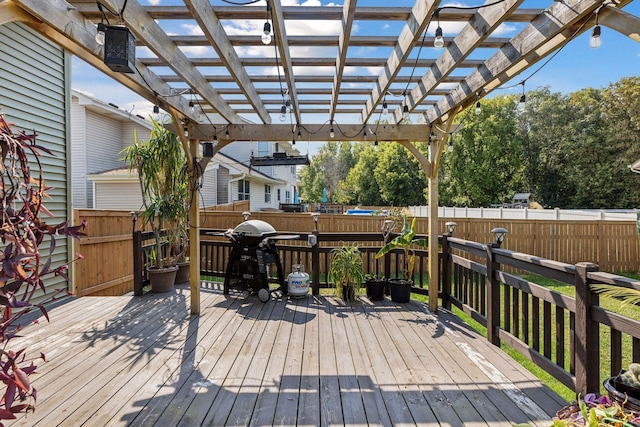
{"x":626,"y":295}
{"x":404,"y":240}
{"x":347,"y":269}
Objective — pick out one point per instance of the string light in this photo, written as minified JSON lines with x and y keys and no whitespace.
{"x":100,"y":34}
{"x":266,"y":33}
{"x":478,"y":108}
{"x":385,"y":108}
{"x":595,"y":41}
{"x":438,"y":42}
{"x":405,"y":112}
{"x":331,"y":132}
{"x":523,"y":100}
{"x":375,"y":145}
{"x":283,"y":113}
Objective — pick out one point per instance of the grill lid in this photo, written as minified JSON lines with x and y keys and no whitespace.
{"x":254,"y":228}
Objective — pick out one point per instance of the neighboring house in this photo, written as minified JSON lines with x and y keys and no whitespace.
{"x":225,"y":180}
{"x":264,"y":195}
{"x":101,"y":180}
{"x":99,"y":131}
{"x":35,"y":96}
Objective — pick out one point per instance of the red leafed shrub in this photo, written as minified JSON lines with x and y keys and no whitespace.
{"x":23,"y":262}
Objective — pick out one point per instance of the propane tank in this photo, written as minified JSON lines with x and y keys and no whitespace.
{"x":298,"y":281}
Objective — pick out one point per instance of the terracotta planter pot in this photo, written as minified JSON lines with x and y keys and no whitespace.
{"x":162,"y":279}
{"x":182,"y":276}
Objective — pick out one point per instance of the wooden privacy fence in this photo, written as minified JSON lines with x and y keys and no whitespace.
{"x":559,"y":333}
{"x":108,"y":265}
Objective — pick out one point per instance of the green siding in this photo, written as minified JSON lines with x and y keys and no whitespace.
{"x":33,"y":96}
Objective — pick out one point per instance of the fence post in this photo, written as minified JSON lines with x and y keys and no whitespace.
{"x":587,"y":333}
{"x":315,"y":264}
{"x":493,"y":296}
{"x":445,"y":277}
{"x":137,"y":263}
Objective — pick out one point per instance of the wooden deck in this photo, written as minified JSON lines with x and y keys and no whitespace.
{"x":308,"y":362}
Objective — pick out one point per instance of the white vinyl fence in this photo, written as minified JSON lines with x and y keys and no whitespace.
{"x":526,"y":213}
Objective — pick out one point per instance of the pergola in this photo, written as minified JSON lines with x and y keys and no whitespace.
{"x":317,"y":70}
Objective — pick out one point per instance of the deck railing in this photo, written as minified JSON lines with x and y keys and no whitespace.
{"x":215,"y":251}
{"x":559,"y":333}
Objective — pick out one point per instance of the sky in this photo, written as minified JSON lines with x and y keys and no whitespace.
{"x":575,"y":67}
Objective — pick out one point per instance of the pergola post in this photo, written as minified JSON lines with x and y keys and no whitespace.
{"x":433,"y":231}
{"x":194,"y":232}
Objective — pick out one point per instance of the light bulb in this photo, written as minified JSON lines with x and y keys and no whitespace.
{"x":438,"y":42}
{"x":186,"y":132}
{"x":331,"y":133}
{"x":100,"y":38}
{"x":478,"y":108}
{"x":100,"y":34}
{"x":287,"y":104}
{"x":405,"y":112}
{"x":283,"y":113}
{"x":192,"y":107}
{"x":156,"y":109}
{"x":385,"y":108}
{"x":266,"y":33}
{"x":595,"y":41}
{"x":450,"y":148}
{"x":375,"y":145}
{"x":522,"y":103}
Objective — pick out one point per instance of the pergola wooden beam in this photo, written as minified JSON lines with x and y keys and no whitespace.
{"x":409,"y":36}
{"x":146,"y":28}
{"x":324,"y":13}
{"x":315,"y":132}
{"x":282,"y":44}
{"x":348,"y":13}
{"x":217,"y":38}
{"x":469,"y":38}
{"x":621,"y":21}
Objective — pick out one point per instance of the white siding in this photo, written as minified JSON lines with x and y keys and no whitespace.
{"x":34,"y":95}
{"x":208,"y":192}
{"x":118,"y":195}
{"x":78,"y":155}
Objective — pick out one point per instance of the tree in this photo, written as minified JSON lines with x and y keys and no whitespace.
{"x":326,"y":171}
{"x":399,"y":176}
{"x":360,"y":186}
{"x":486,"y":164}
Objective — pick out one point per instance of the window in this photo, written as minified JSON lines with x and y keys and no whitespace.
{"x":263,"y":149}
{"x":279,"y":194}
{"x":287,"y":196}
{"x":243,"y":189}
{"x":267,"y":194}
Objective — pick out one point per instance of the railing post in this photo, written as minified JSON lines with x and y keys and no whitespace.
{"x":315,"y":265}
{"x":493,"y":296}
{"x":587,"y":333}
{"x":445,"y":276}
{"x":137,"y":263}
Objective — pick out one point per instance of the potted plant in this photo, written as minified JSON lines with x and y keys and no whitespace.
{"x":163,"y":181}
{"x":400,"y":287}
{"x":347,"y":271}
{"x":375,"y":287}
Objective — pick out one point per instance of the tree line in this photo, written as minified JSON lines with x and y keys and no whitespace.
{"x":571,"y":151}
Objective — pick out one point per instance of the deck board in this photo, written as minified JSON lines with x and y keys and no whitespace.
{"x":144,"y":361}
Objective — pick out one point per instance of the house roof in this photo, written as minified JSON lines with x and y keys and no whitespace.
{"x":109,"y":110}
{"x":236,"y":169}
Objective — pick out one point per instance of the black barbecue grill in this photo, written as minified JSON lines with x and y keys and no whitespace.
{"x":253,"y":250}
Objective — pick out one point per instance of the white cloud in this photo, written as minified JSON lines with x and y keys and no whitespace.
{"x":154,"y":2}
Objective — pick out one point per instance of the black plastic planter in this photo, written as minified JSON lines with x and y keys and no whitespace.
{"x":400,"y":290}
{"x":375,"y":289}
